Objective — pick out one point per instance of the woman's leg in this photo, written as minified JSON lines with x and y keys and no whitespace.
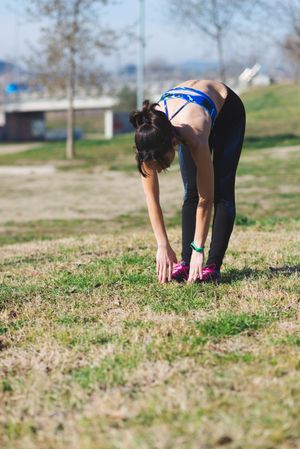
{"x":226,"y":142}
{"x":190,"y":200}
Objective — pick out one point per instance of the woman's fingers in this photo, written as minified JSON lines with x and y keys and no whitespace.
{"x":170,"y":270}
{"x":200,"y":273}
{"x":193,"y":276}
{"x":164,"y":271}
{"x":161,"y":273}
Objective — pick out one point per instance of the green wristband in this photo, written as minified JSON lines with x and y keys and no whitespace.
{"x":198,"y":250}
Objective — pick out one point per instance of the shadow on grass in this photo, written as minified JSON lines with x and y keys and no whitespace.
{"x":234,"y":275}
{"x":286,"y":270}
{"x":253,"y":142}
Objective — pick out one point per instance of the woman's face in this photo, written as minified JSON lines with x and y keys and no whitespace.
{"x":154,"y":165}
{"x":171,"y":156}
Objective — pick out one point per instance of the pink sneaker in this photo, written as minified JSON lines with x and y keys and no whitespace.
{"x":180,"y":272}
{"x":210,"y":274}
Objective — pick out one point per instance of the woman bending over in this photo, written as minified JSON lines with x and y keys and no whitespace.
{"x":205,"y":121}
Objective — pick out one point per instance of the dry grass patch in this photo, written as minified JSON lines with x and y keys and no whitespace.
{"x":96,"y":354}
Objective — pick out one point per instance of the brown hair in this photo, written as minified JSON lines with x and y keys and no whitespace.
{"x":153,"y":136}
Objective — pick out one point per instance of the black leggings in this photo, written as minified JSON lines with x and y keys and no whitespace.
{"x":225,"y":142}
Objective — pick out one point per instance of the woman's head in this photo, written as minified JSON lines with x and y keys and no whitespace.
{"x":154,"y":137}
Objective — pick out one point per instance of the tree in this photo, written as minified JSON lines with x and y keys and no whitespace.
{"x":292,"y":47}
{"x":282,"y":25}
{"x":292,"y":42}
{"x":213,"y":18}
{"x":71,"y":38}
{"x":126,"y":99}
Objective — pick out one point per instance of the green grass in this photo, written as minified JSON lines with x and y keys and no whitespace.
{"x":90,"y":338}
{"x":110,"y":372}
{"x":229,"y":324}
{"x":114,"y":154}
{"x":273,"y":115}
{"x":59,"y":228}
{"x":96,"y":354}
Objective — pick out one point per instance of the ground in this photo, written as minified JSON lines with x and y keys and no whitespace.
{"x":95,"y":354}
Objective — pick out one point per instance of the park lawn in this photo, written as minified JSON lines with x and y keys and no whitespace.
{"x":114,"y":154}
{"x":267,"y":196}
{"x":273,"y":113}
{"x":95,"y":354}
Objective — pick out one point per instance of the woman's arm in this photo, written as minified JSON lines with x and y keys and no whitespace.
{"x":151,"y":190}
{"x":165,"y":255}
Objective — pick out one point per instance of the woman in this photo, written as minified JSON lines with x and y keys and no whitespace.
{"x":203,"y":118}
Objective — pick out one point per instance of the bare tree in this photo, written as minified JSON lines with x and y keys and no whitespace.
{"x":292,"y":47}
{"x":213,"y":18}
{"x":281,"y":20}
{"x":72,"y":36}
{"x":292,"y":42}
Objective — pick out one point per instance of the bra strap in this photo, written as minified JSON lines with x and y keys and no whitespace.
{"x":177,"y":112}
{"x":166,"y":108}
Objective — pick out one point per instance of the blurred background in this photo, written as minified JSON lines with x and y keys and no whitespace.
{"x":119,"y":52}
{"x":71,"y":71}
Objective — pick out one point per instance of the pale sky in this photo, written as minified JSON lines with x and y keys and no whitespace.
{"x":164,"y":38}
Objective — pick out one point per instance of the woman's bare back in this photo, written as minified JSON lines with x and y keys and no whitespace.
{"x":194,"y":120}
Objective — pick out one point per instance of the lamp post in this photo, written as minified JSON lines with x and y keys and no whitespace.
{"x":141,"y":56}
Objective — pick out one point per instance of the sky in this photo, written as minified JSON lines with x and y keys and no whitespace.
{"x":165,"y":38}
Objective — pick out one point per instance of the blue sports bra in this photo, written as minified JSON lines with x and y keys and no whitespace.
{"x":190,"y":95}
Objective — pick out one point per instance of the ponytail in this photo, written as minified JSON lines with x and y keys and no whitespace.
{"x":153,"y":135}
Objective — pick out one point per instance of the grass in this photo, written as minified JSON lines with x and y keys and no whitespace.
{"x":273,"y":114}
{"x":93,"y":348}
{"x":114,"y":154}
{"x":267,"y":199}
{"x":229,"y":324}
{"x":95,"y":354}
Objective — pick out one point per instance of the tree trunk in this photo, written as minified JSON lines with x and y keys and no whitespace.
{"x":70,"y":148}
{"x":222,"y":71}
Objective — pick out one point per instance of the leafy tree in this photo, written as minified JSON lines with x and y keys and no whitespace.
{"x":72,"y":36}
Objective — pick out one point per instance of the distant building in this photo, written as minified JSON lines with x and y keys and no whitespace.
{"x":24,"y":119}
{"x":23,"y":126}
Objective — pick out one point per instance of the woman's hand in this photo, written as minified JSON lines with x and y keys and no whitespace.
{"x":165,"y":258}
{"x":196,"y":266}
